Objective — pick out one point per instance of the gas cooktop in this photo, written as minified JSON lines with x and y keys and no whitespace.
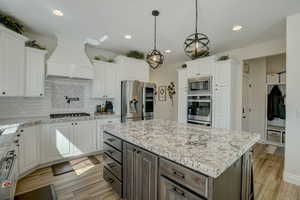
{"x":64,"y":115}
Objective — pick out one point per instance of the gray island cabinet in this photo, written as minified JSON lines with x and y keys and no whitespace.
{"x":165,"y":160}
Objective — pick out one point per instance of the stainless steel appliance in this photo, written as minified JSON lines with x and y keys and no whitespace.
{"x":8,"y":175}
{"x":148,"y":100}
{"x":199,"y":109}
{"x":64,"y":115}
{"x":199,"y":85}
{"x":137,"y":100}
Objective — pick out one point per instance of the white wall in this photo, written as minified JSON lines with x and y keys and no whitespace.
{"x":292,"y":153}
{"x":163,"y":76}
{"x":257,"y":75}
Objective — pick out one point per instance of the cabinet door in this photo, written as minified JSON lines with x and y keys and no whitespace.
{"x":98,"y":82}
{"x":110,"y":80}
{"x":29,"y":148}
{"x":148,"y":175}
{"x":201,"y":66}
{"x":57,"y":141}
{"x":84,"y":137}
{"x":222,"y":73}
{"x":129,"y":172}
{"x":221,"y":108}
{"x":182,"y":105}
{"x":12,"y":65}
{"x":182,"y":79}
{"x":35,"y":72}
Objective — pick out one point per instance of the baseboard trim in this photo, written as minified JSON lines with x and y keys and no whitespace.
{"x":291,"y":178}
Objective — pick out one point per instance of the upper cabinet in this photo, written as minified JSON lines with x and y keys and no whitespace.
{"x":105,"y":80}
{"x":35,"y":72}
{"x":200,"y":67}
{"x":12,"y":63}
{"x":132,"y":69}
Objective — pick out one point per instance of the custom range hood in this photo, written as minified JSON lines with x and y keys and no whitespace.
{"x":69,"y":59}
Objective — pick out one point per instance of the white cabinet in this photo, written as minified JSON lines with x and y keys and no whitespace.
{"x":35,"y":72}
{"x":200,"y":67}
{"x":105,"y":82}
{"x":56,"y":141}
{"x":29,"y":148}
{"x":132,"y":69}
{"x":63,"y":140}
{"x":100,"y":129}
{"x":223,"y":70}
{"x":182,"y":95}
{"x":12,"y":63}
{"x":84,"y":137}
{"x":221,"y":107}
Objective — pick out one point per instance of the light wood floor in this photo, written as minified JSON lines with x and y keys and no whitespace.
{"x":86,"y":182}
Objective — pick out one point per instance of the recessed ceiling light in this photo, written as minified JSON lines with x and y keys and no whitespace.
{"x":168,"y":51}
{"x":103,"y":38}
{"x":128,"y":37}
{"x":57,"y":13}
{"x":237,"y":28}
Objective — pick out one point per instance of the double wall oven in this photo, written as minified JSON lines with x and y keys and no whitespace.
{"x":199,"y":101}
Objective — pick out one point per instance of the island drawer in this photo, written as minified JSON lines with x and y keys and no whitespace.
{"x":115,"y":183}
{"x":113,"y":141}
{"x":170,"y":191}
{"x":190,"y":179}
{"x":112,"y":152}
{"x":113,"y":166}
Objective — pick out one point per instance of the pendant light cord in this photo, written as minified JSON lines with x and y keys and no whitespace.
{"x":155,"y":32}
{"x":196,"y":27}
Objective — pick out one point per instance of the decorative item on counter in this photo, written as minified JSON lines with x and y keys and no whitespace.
{"x":98,"y":108}
{"x":11,"y":23}
{"x":136,"y":54}
{"x":34,"y":44}
{"x":162,"y":93}
{"x":222,"y":58}
{"x":197,"y":44}
{"x":155,"y":58}
{"x":172,"y":91}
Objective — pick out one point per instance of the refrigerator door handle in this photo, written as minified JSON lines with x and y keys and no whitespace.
{"x":133,"y":105}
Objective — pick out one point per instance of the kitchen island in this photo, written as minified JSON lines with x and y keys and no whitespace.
{"x":166,"y":160}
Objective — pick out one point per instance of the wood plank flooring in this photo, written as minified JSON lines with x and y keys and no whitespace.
{"x":86,"y":182}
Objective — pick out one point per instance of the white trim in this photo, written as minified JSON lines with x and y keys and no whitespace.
{"x":291,"y":178}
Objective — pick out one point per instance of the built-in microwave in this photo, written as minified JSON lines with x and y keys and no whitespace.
{"x":200,"y":85}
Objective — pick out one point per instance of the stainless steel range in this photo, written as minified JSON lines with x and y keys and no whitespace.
{"x":64,"y":115}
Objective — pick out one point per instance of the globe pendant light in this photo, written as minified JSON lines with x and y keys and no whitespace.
{"x":197,"y":44}
{"x":155,"y":58}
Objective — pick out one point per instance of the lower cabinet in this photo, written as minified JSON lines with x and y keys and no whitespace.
{"x":29,"y":145}
{"x":100,"y":128}
{"x":63,"y":140}
{"x":140,"y":173}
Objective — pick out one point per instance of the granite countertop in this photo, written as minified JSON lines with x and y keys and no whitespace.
{"x":31,"y":121}
{"x":206,"y":150}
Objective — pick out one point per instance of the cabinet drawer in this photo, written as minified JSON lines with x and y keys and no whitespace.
{"x":113,"y":166}
{"x":170,"y":191}
{"x":113,"y":141}
{"x":112,"y":152}
{"x":192,"y":180}
{"x":111,"y":179}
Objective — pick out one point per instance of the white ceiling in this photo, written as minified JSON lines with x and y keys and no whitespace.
{"x":262,"y":20}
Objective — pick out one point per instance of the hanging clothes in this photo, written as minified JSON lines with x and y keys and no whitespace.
{"x":276,"y":106}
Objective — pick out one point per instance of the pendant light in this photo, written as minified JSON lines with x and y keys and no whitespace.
{"x":155,"y":58}
{"x":197,"y":44}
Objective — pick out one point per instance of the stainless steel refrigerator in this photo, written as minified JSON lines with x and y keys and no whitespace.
{"x":137,"y":100}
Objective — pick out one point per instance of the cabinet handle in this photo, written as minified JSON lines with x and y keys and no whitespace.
{"x":178,"y":174}
{"x":178,"y":191}
{"x":41,"y":94}
{"x":21,"y":131}
{"x":138,"y":152}
{"x":111,"y":139}
{"x":18,"y":135}
{"x":3,"y":93}
{"x":17,"y":145}
{"x":16,"y":141}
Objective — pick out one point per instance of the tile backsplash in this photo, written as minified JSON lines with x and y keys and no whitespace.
{"x":54,"y":101}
